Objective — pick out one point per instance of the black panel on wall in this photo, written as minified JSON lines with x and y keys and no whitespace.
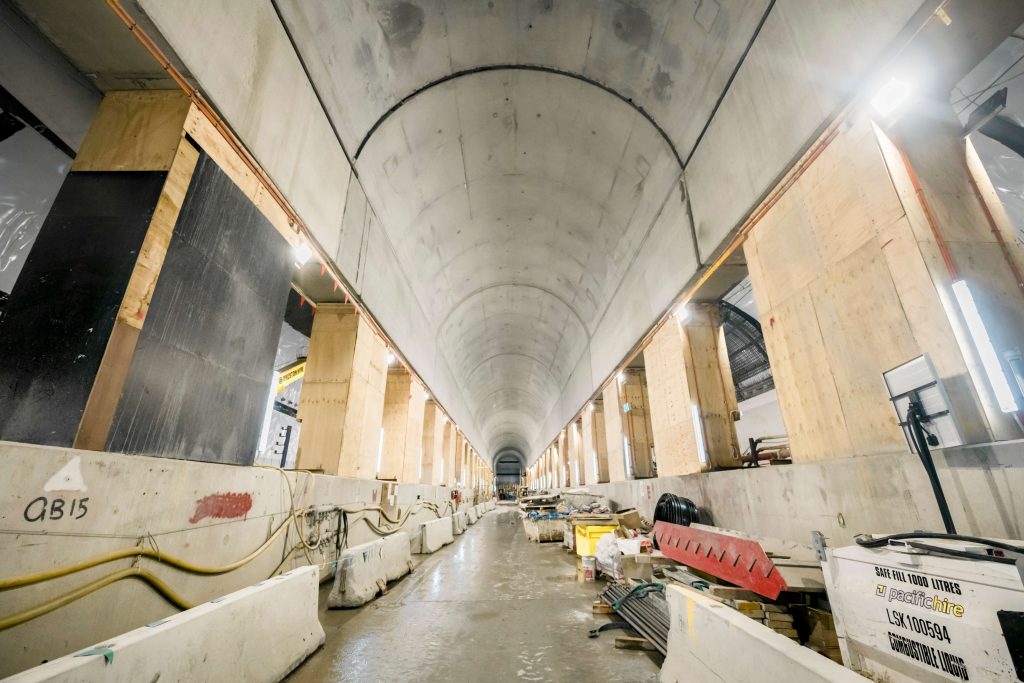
{"x":61,"y":311}
{"x":197,"y":387}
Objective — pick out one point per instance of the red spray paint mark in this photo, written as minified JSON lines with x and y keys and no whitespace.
{"x":222,"y":506}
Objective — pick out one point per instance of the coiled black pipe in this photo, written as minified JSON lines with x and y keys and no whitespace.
{"x":676,"y":510}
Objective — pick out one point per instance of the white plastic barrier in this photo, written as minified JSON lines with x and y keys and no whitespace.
{"x":364,"y":570}
{"x":229,"y":639}
{"x":710,"y":641}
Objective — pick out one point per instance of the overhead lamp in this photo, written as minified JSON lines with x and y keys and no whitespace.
{"x":391,"y":358}
{"x":591,"y":407}
{"x":682,"y":313}
{"x":302,"y":253}
{"x":891,"y":97}
{"x":622,"y":377}
{"x":987,"y":352}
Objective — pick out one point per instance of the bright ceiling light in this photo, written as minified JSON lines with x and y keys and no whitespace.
{"x":302,"y":253}
{"x":682,"y":313}
{"x":391,"y":358}
{"x":892,"y":97}
{"x":591,"y":407}
{"x":622,"y":377}
{"x":989,"y":359}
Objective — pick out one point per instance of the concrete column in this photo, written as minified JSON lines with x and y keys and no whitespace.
{"x":397,"y":403}
{"x":564,"y":458}
{"x":578,"y":466}
{"x":433,"y":431}
{"x":595,"y":446}
{"x":613,"y":432}
{"x":412,"y":457}
{"x":460,"y":446}
{"x":692,"y":398}
{"x":636,"y":423}
{"x":442,"y":461}
{"x":850,"y":276}
{"x":342,"y":402}
{"x":971,"y":240}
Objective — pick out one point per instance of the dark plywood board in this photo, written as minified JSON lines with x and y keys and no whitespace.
{"x":62,"y":309}
{"x":198,"y":385}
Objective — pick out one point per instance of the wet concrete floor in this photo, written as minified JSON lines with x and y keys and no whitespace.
{"x":492,"y":606}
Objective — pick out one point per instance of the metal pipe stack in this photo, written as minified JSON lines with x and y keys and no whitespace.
{"x":646,"y":613}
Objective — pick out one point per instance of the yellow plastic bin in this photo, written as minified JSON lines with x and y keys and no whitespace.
{"x":587,"y":537}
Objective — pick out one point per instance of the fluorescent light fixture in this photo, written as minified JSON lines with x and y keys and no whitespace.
{"x":302,"y":253}
{"x":982,"y":342}
{"x":391,"y":358}
{"x":591,"y":407}
{"x":380,"y":449}
{"x":891,"y":97}
{"x":626,"y":456}
{"x":698,"y":433}
{"x":622,"y":377}
{"x":682,"y":313}
{"x":420,"y":475}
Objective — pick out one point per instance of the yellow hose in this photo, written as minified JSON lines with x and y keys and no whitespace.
{"x":79,"y":593}
{"x":29,"y":579}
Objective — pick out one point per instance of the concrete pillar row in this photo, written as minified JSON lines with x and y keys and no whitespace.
{"x":692,"y":397}
{"x":613,"y":432}
{"x":594,"y":443}
{"x":433,"y":431}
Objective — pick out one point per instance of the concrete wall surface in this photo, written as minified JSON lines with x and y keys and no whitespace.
{"x":63,"y":506}
{"x":848,"y":496}
{"x":710,"y":641}
{"x":230,"y":639}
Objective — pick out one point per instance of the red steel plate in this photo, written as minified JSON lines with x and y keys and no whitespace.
{"x":737,"y":560}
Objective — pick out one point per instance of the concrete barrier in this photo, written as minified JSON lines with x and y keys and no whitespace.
{"x":490,"y":505}
{"x":473,"y":514}
{"x":432,"y":536}
{"x":364,"y":570}
{"x":710,"y":641}
{"x":460,"y":521}
{"x":228,"y":639}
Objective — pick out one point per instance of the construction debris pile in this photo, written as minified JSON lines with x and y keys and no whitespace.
{"x":775,"y":583}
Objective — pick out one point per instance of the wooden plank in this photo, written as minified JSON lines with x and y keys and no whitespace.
{"x":210,"y":140}
{"x":106,"y":390}
{"x":143,"y":281}
{"x":671,"y":403}
{"x":634,"y":643}
{"x":136,"y":130}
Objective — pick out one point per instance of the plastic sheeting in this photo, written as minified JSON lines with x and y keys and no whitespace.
{"x":31,"y":173}
{"x":1005,"y":169}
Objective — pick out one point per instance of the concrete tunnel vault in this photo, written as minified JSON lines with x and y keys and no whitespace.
{"x":521,"y":226}
{"x":516,"y":182}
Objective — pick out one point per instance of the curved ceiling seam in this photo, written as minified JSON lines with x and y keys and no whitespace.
{"x":481,"y":290}
{"x":519,"y":67}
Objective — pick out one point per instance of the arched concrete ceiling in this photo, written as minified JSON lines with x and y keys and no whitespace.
{"x":516,"y":216}
{"x":517,"y":154}
{"x":516,"y":201}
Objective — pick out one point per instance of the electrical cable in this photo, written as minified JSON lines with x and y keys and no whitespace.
{"x":67,"y":598}
{"x":915,"y":411}
{"x":881,"y":541}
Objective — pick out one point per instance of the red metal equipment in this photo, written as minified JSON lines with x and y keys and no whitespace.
{"x":737,"y":560}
